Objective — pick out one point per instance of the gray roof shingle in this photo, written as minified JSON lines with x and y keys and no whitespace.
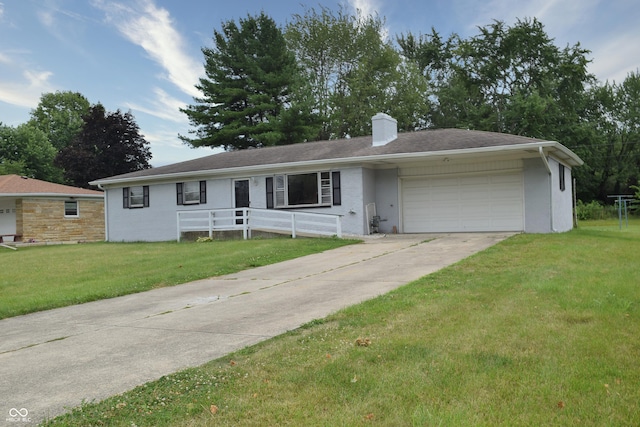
{"x":360,"y":147}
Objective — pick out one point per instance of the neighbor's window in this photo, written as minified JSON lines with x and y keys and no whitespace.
{"x":135,"y":197}
{"x":191,"y":193}
{"x":71,"y":208}
{"x":305,"y":189}
{"x":562,"y":177}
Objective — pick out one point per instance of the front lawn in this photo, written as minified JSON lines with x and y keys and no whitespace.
{"x":539,"y":330}
{"x":43,"y":277}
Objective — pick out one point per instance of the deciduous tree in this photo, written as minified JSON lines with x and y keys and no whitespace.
{"x":59,"y":115}
{"x":511,"y":79}
{"x":26,"y":150}
{"x":109,"y":144}
{"x":611,"y":150}
{"x":353,"y":72}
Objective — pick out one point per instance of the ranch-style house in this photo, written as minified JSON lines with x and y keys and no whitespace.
{"x":445,"y":180}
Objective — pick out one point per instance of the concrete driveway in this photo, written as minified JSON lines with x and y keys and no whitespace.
{"x":51,"y":361}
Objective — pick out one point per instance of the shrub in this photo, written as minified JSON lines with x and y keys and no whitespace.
{"x":634,"y":205}
{"x":594,"y":210}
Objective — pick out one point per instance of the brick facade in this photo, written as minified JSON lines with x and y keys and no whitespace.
{"x":43,"y":220}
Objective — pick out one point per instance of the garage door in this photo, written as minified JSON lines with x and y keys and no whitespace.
{"x":464,"y":203}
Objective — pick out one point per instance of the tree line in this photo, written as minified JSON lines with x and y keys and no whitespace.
{"x":69,"y":141}
{"x":325,"y":73}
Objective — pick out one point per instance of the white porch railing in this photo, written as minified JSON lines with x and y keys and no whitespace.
{"x":248,"y":219}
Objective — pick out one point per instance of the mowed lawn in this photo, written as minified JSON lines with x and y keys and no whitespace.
{"x":43,"y":277}
{"x":539,"y":330}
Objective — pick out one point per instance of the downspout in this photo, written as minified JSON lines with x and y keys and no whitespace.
{"x":106,"y":216}
{"x":546,"y":165}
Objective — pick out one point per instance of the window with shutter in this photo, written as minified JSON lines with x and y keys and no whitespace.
{"x":191,"y":192}
{"x":305,"y":189}
{"x":135,"y":197}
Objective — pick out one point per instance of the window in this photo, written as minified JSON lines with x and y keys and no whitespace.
{"x":135,"y":197}
{"x":71,"y":208}
{"x":306,"y":189}
{"x":562,"y":177}
{"x":191,"y":193}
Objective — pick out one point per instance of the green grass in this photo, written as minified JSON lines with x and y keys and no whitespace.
{"x":539,"y":330}
{"x":43,"y":277}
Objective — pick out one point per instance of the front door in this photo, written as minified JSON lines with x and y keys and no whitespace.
{"x":241,"y":196}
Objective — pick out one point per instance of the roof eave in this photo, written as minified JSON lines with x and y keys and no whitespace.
{"x":567,"y":155}
{"x":571,"y":158}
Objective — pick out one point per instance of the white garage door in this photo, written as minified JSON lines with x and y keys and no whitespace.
{"x":464,"y":203}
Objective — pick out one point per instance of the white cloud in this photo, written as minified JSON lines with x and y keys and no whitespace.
{"x":552,"y":13}
{"x":152,"y":28}
{"x":46,"y":18}
{"x":27,"y":92}
{"x":616,"y":57}
{"x":164,"y":107}
{"x":167,"y":148}
{"x":366,"y":7}
{"x":561,"y":18}
{"x":608,"y":30}
{"x":23,"y":84}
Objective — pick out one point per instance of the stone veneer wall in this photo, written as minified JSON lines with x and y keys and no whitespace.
{"x":43,"y":220}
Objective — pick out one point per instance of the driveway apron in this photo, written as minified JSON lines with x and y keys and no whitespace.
{"x":54,"y":360}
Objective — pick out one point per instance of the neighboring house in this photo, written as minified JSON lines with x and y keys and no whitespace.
{"x":32,"y":210}
{"x":446,"y":180}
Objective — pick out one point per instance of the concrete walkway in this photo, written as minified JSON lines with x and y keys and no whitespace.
{"x":51,"y":361}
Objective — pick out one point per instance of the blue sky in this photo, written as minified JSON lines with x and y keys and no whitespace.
{"x":145,"y":55}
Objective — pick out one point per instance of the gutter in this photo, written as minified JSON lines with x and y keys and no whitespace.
{"x":548,"y":167}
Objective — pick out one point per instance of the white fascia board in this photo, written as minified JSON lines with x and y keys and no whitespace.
{"x":573,"y":159}
{"x":568,"y":156}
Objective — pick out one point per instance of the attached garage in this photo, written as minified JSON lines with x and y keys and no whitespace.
{"x":463,"y":203}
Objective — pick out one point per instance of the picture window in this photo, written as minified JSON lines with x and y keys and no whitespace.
{"x":305,"y":189}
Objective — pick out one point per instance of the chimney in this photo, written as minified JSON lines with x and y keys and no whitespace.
{"x":385,"y":129}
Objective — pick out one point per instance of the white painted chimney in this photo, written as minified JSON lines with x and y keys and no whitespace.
{"x":385,"y":129}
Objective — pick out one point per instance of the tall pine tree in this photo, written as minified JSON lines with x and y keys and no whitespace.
{"x":247,"y":95}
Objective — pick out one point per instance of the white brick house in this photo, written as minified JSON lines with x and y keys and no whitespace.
{"x":446,"y":180}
